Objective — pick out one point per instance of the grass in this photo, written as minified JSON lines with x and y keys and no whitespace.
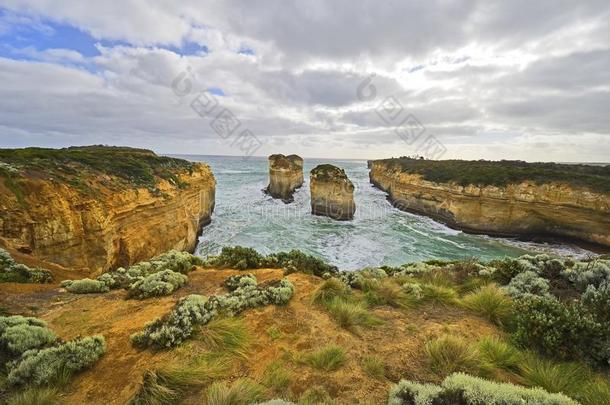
{"x":317,"y":395}
{"x":439,"y":295}
{"x":388,"y":293}
{"x":330,"y":290}
{"x":450,"y":354}
{"x":169,"y":384}
{"x":374,"y":367}
{"x":226,"y":335}
{"x":277,"y":378}
{"x":568,"y":378}
{"x":242,"y":391}
{"x":499,"y":354}
{"x":36,"y":396}
{"x":491,"y":303}
{"x":275,"y":333}
{"x":351,"y":315}
{"x":329,"y":358}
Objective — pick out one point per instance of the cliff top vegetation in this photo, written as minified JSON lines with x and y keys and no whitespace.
{"x":328,"y":172}
{"x":127,"y":166}
{"x":504,"y":172}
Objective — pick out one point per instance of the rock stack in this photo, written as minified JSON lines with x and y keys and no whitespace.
{"x":285,"y":176}
{"x":332,"y":193}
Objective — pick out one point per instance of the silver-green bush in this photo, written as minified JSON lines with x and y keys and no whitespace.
{"x":85,"y":286}
{"x":526,"y":283}
{"x":460,"y":388}
{"x":178,"y":325}
{"x":11,"y":272}
{"x":157,"y":284}
{"x":40,"y":367}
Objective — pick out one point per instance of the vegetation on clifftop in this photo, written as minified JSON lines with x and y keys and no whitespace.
{"x":78,"y":165}
{"x":504,"y":172}
{"x":12,"y":272}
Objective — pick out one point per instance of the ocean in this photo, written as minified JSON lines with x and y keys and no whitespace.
{"x":379,"y":234}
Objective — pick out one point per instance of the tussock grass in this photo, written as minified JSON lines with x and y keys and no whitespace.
{"x":499,"y":354}
{"x":374,"y":367}
{"x":491,"y":303}
{"x":450,"y":354}
{"x":227,"y":336}
{"x":329,"y":358}
{"x":351,"y":315}
{"x":568,"y":378}
{"x":439,"y":295}
{"x":240,"y":392}
{"x":329,"y":291}
{"x":168,"y":384}
{"x":36,"y":396}
{"x":317,"y":395}
{"x":390,"y":294}
{"x":439,"y":278}
{"x":277,"y":378}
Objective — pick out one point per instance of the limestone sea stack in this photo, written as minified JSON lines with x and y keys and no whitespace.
{"x":506,"y":198}
{"x":93,"y":209}
{"x":285,"y":176}
{"x":332,"y":193}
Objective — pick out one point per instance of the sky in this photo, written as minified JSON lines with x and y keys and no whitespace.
{"x":472,"y":79}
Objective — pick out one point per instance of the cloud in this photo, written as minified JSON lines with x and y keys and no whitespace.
{"x":491,"y":79}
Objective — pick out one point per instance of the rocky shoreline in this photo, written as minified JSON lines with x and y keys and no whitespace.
{"x":525,"y":210}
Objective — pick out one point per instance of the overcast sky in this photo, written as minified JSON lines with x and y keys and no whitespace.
{"x":519,"y":79}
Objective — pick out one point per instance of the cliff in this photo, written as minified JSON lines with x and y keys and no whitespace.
{"x":523,"y":200}
{"x":332,"y":193}
{"x":285,"y":176}
{"x":96,"y":208}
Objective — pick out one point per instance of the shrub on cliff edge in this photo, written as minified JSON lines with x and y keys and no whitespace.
{"x":12,"y":272}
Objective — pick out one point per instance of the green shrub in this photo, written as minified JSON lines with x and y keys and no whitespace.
{"x":11,"y":272}
{"x":157,"y":284}
{"x":491,"y":303}
{"x":351,"y":315}
{"x":329,"y":358}
{"x":331,"y":289}
{"x":297,"y":261}
{"x":567,"y":331}
{"x":499,"y":354}
{"x":526,"y":283}
{"x":374,"y":367}
{"x":36,"y":396}
{"x":237,"y":257}
{"x":449,"y":354}
{"x":508,"y":268}
{"x":40,"y":367}
{"x":85,"y":286}
{"x":240,"y":392}
{"x":178,"y":325}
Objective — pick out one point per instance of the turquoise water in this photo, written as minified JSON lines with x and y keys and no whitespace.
{"x":379,"y":233}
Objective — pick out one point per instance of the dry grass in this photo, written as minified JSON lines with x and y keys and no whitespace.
{"x":329,"y":358}
{"x":374,"y":367}
{"x":226,"y":335}
{"x":351,"y":315}
{"x":36,"y":396}
{"x":242,"y":391}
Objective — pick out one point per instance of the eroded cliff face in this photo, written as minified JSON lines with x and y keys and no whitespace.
{"x":285,"y":176}
{"x":109,"y":227}
{"x":332,"y":193}
{"x":526,"y":209}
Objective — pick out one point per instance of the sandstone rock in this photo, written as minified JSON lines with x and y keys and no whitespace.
{"x":285,"y":176}
{"x":95,"y":225}
{"x":332,"y":193}
{"x":526,"y":209}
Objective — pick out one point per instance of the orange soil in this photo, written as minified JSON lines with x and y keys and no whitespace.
{"x":399,"y":341}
